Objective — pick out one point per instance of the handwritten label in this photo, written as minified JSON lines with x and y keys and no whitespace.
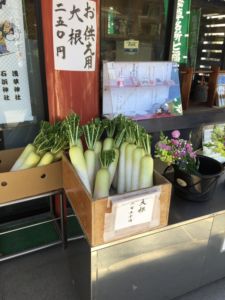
{"x":131,"y":44}
{"x":134,"y":212}
{"x":74,"y":35}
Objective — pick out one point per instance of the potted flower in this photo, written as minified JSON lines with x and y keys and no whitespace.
{"x":194,"y":175}
{"x":177,"y":152}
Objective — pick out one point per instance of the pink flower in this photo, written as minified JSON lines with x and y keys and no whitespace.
{"x":164,"y":146}
{"x":175,"y":134}
{"x":175,"y":142}
{"x":189,"y":147}
{"x":192,"y":155}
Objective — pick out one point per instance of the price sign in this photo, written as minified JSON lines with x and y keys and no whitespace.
{"x":74,"y":35}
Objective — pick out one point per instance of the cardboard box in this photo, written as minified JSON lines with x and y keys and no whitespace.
{"x":97,"y":217}
{"x":26,"y":183}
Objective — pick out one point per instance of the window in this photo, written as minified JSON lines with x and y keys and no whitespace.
{"x":207,"y":34}
{"x":133,"y":30}
{"x":21,"y":78}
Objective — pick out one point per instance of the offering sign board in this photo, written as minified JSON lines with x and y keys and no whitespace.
{"x":15,"y":102}
{"x":74,"y":35}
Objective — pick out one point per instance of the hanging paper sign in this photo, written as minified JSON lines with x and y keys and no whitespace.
{"x":74,"y":35}
{"x":15,"y":104}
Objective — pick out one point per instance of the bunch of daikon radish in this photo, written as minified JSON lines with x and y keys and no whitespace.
{"x":46,"y":148}
{"x":115,"y":152}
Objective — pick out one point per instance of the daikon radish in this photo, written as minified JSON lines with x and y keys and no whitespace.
{"x":101,"y":188}
{"x":147,"y":164}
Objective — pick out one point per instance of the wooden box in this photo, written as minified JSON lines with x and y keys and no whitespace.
{"x":26,"y":183}
{"x":92,"y":213}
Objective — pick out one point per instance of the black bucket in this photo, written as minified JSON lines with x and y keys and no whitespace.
{"x":201,"y":186}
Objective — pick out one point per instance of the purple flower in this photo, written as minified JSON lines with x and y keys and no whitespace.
{"x":175,"y":134}
{"x":183,"y":153}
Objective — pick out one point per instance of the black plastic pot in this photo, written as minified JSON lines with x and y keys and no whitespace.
{"x":198,"y":187}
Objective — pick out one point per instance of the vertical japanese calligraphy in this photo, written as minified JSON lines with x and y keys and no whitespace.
{"x":181,"y":32}
{"x":15,"y":102}
{"x":74,"y":35}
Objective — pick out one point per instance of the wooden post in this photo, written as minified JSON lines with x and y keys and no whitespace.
{"x":69,"y":90}
{"x":186,"y":82}
{"x":212,"y":86}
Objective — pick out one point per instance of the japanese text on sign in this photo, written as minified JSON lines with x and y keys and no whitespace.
{"x":15,"y":99}
{"x":8,"y":81}
{"x":138,"y":211}
{"x":74,"y":35}
{"x":180,"y":36}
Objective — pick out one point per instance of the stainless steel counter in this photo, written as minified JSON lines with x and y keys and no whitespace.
{"x":160,"y":264}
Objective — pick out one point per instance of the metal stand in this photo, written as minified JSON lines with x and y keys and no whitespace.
{"x":61,"y":219}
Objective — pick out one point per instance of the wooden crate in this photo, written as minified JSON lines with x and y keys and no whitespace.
{"x":91,"y":213}
{"x":26,"y":183}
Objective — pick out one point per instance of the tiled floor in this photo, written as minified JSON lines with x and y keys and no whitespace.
{"x":45,"y":275}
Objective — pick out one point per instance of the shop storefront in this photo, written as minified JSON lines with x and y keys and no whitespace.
{"x":159,"y":62}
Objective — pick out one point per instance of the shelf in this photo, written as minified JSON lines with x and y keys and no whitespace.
{"x":192,"y":118}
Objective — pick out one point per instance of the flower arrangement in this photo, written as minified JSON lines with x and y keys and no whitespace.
{"x":217,"y":143}
{"x":177,"y":152}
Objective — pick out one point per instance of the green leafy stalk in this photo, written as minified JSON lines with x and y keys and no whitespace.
{"x":106,"y":158}
{"x":44,"y":130}
{"x":110,"y":126}
{"x":101,"y":127}
{"x":119,"y":138}
{"x":139,"y":131}
{"x":73,"y":129}
{"x":130,"y":129}
{"x":146,"y":143}
{"x":92,"y":133}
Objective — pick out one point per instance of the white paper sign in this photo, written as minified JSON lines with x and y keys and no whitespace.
{"x":15,"y":105}
{"x":130,"y":213}
{"x":74,"y":35}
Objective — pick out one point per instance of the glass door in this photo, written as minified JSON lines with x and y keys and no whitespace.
{"x":22,"y":79}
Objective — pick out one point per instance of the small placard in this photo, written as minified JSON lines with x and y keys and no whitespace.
{"x":134,"y":212}
{"x":131,"y":44}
